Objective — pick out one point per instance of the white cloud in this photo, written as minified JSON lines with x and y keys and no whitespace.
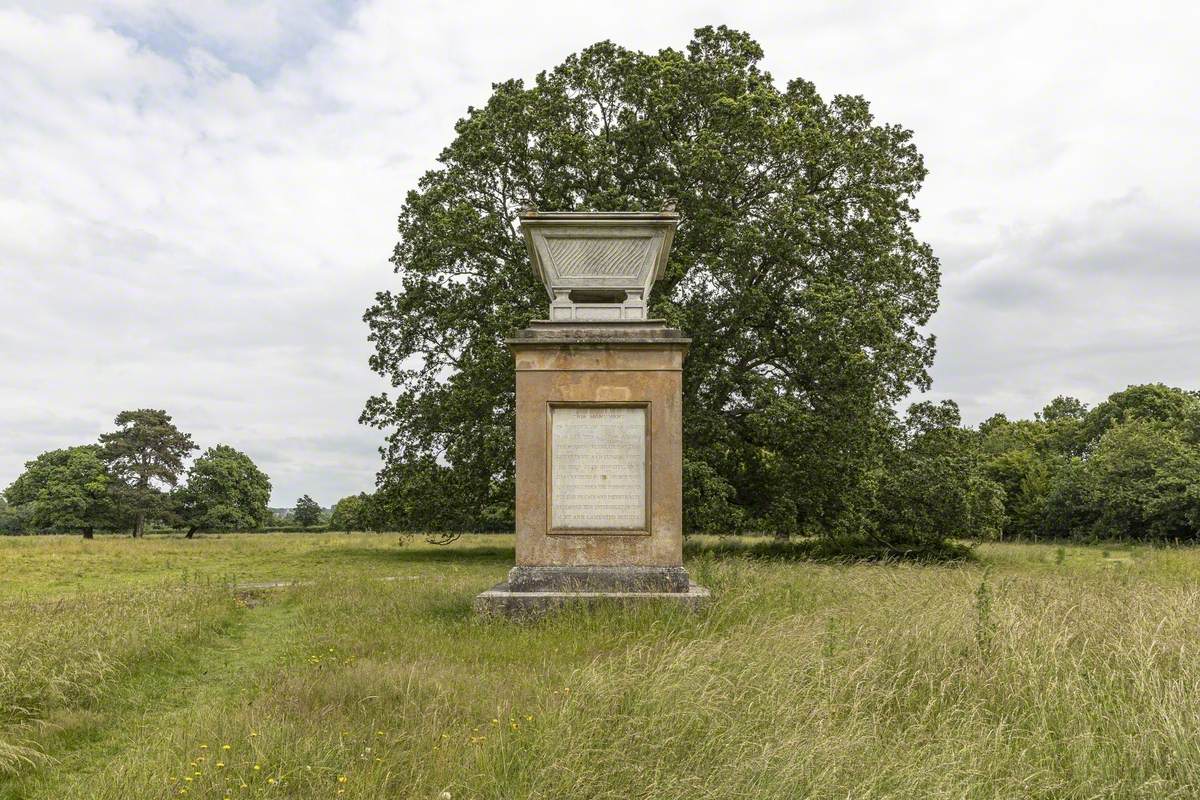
{"x":198,"y":200}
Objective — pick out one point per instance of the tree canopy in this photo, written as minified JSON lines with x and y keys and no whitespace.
{"x":307,"y":512}
{"x":66,"y":490}
{"x":1127,"y":469}
{"x":146,"y":455}
{"x":351,"y":513}
{"x":225,"y":490}
{"x":122,"y":482}
{"x":795,"y":269}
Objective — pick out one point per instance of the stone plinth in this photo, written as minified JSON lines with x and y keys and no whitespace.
{"x":500,"y":601}
{"x":599,"y":506}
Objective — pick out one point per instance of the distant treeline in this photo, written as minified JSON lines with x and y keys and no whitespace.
{"x":133,"y":479}
{"x":1127,"y":469}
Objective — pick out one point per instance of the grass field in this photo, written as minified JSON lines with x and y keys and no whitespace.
{"x":129,"y":669}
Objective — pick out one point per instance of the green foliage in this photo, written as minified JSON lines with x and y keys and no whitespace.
{"x":423,"y":495}
{"x":795,"y":270}
{"x":225,"y":490}
{"x":932,"y":485}
{"x":15,"y":519}
{"x":707,"y":501}
{"x":307,"y":512}
{"x":145,"y":455}
{"x":122,"y":481}
{"x":351,"y":513}
{"x":1023,"y":458}
{"x":66,"y":490}
{"x":1127,"y":469}
{"x":1142,"y":481}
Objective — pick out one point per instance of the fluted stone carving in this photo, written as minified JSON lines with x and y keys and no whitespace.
{"x":598,"y":265}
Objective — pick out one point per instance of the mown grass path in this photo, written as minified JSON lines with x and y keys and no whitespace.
{"x":162,"y":692}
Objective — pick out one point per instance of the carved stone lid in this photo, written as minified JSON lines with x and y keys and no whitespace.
{"x":607,"y":258}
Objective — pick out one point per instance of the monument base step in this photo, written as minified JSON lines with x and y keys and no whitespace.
{"x":629,"y":578}
{"x":500,"y":601}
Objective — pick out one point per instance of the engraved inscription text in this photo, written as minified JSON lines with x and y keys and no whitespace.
{"x":598,"y":467}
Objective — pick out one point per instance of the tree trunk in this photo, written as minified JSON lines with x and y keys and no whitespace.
{"x":139,"y":527}
{"x":89,"y":533}
{"x":191,"y":532}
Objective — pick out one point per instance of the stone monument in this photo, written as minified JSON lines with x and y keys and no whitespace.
{"x":599,"y":506}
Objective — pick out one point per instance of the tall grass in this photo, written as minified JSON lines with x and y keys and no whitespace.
{"x":1027,"y":675}
{"x":931,"y":688}
{"x":66,"y":653}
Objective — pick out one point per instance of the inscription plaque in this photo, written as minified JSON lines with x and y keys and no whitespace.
{"x":598,"y":467}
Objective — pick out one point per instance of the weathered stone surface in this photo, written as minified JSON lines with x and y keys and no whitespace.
{"x":599,"y":423}
{"x":597,"y":579}
{"x":598,"y":467}
{"x":527,"y":606}
{"x":598,"y":265}
{"x":550,"y":333}
{"x":583,"y":365}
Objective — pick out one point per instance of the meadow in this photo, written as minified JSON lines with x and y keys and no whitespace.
{"x":133,"y":669}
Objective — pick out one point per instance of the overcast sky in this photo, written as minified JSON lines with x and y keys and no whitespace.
{"x":198,"y":199}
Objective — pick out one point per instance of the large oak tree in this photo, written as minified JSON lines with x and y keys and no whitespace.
{"x":795,"y":269}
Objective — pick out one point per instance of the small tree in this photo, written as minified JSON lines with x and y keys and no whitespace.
{"x":66,"y":490}
{"x":145,"y":454}
{"x":307,"y":512}
{"x":1024,"y":457}
{"x":225,"y":491}
{"x":350,"y":513}
{"x":933,"y":486}
{"x":14,"y":519}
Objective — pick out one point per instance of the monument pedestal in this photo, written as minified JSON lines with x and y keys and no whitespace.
{"x":599,"y":506}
